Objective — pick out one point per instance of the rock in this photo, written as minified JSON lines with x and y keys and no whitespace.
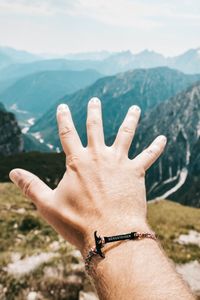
{"x":87,"y":296}
{"x":54,"y":272}
{"x":74,"y":279}
{"x":32,"y":296}
{"x":11,"y":141}
{"x":28,"y":264}
{"x":76,"y":253}
{"x":193,"y":237}
{"x":191,"y":274}
{"x":77,"y":268}
{"x":21,"y":211}
{"x":54,"y":246}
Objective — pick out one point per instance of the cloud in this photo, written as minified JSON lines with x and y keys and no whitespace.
{"x":123,"y":13}
{"x":36,"y":7}
{"x":141,"y":14}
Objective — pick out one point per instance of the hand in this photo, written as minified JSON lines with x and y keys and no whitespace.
{"x":102,"y":189}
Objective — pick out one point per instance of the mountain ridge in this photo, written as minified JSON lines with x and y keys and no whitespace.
{"x":30,"y":96}
{"x":188,"y":62}
{"x":144,"y":87}
{"x":179,"y":119}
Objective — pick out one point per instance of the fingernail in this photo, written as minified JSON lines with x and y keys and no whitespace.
{"x":14,"y":176}
{"x":161,"y":138}
{"x":63,"y":107}
{"x":94,"y":100}
{"x":135,"y":108}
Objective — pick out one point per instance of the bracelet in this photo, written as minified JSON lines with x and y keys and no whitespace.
{"x":101,"y":241}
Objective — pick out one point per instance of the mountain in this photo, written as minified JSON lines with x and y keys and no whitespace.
{"x":10,"y":56}
{"x":36,"y":92}
{"x":115,"y":63}
{"x":103,"y":62}
{"x":149,"y":59}
{"x":188,"y":62}
{"x":144,"y":87}
{"x":11,"y":141}
{"x":17,"y":71}
{"x":30,"y":143}
{"x":5,"y":60}
{"x":98,"y":55}
{"x":18,"y":56}
{"x":189,"y":192}
{"x":126,"y":60}
{"x":4,"y":84}
{"x":176,"y":175}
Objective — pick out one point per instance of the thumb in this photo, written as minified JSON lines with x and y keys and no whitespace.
{"x":31,"y":186}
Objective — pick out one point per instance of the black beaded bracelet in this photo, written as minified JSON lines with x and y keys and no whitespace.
{"x":101,"y":241}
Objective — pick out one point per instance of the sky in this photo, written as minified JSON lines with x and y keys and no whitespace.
{"x":69,"y":26}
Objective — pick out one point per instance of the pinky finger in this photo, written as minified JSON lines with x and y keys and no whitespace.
{"x":147,"y":157}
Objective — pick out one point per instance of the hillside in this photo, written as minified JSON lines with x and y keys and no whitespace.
{"x":22,"y":63}
{"x":19,"y":70}
{"x":35,"y":260}
{"x":179,"y":120}
{"x":32,"y":95}
{"x":188,"y":62}
{"x":5,"y":60}
{"x":50,"y":167}
{"x":144,"y":87}
{"x":11,"y":141}
{"x":10,"y":56}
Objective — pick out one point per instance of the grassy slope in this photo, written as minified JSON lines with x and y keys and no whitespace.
{"x":22,"y":231}
{"x":168,"y":219}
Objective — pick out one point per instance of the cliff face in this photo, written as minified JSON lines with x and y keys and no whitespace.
{"x":176,"y":174}
{"x":11,"y":141}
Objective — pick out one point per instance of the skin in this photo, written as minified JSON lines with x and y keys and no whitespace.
{"x":102,"y":189}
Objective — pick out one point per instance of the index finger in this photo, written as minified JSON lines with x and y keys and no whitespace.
{"x":69,"y":137}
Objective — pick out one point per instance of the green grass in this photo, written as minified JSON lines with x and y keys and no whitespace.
{"x":169,"y":219}
{"x":27,"y":233}
{"x":21,"y":230}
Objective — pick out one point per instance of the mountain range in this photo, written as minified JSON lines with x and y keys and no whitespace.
{"x":30,"y":96}
{"x":170,"y":101}
{"x":188,"y":62}
{"x":10,"y":56}
{"x":144,"y":87}
{"x":32,"y":86}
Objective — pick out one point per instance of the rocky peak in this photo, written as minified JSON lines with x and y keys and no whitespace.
{"x":11,"y":141}
{"x":179,"y":119}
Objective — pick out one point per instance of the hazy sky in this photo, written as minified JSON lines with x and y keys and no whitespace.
{"x":64,"y":26}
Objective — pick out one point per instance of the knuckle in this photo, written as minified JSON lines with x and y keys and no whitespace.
{"x":27,"y":187}
{"x":139,"y":171}
{"x":95,"y":157}
{"x":66,"y":131}
{"x":72,"y":161}
{"x":149,"y":152}
{"x":152,"y":151}
{"x":92,"y":122}
{"x":127,"y":129}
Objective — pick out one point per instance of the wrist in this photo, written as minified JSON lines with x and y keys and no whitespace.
{"x":105,"y":229}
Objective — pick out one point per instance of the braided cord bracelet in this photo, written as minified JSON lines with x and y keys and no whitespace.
{"x":101,"y":241}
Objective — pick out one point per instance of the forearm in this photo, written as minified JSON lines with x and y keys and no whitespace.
{"x":100,"y":185}
{"x":137,"y":270}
